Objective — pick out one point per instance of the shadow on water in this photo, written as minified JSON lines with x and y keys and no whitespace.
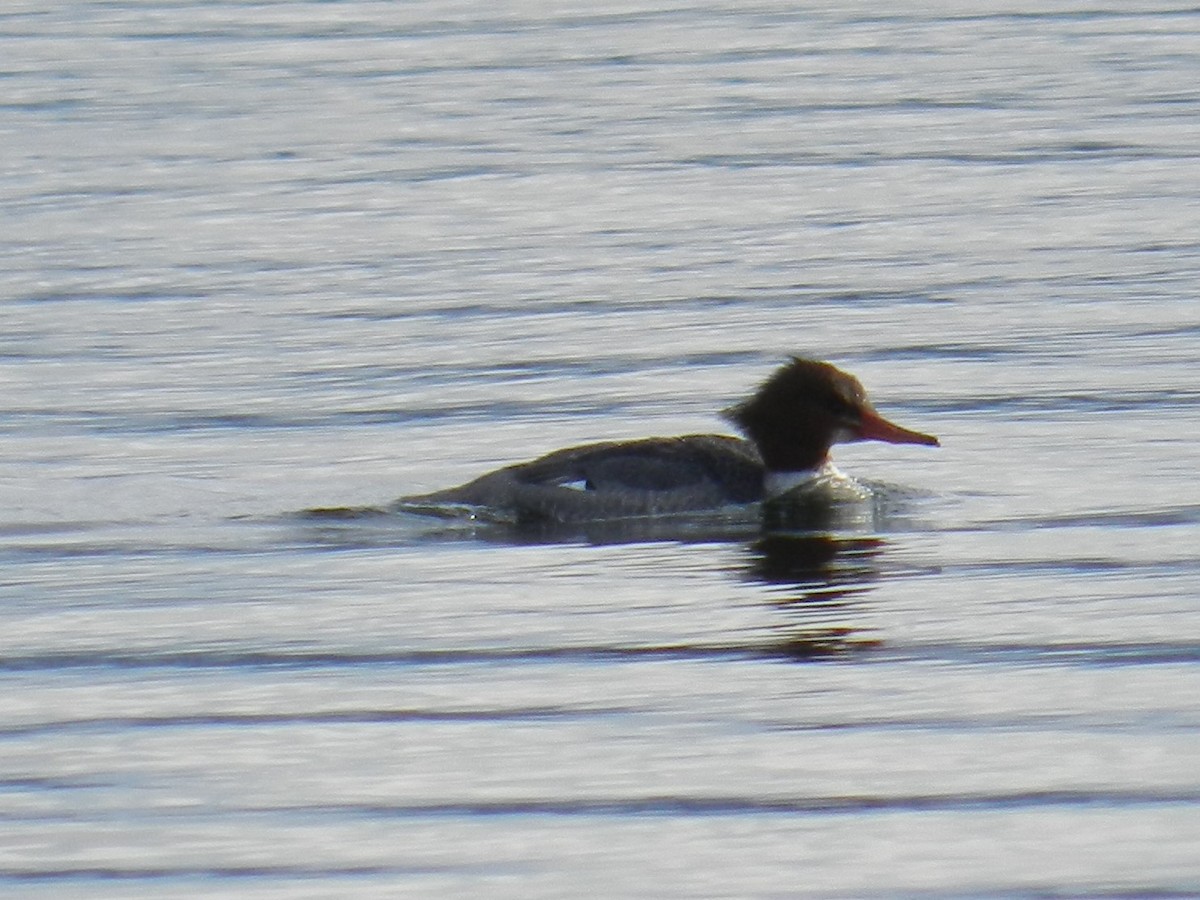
{"x":883,"y":508}
{"x":815,"y":580}
{"x":824,"y":569}
{"x":816,"y":564}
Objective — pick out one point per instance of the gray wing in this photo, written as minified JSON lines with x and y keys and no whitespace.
{"x":653,"y":476}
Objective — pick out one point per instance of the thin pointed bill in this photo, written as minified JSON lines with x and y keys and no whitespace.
{"x":876,"y":428}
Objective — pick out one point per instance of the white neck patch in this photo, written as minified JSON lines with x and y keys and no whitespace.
{"x":776,"y":484}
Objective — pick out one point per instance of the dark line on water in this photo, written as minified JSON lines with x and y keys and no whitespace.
{"x":1085,"y":655}
{"x":333,"y":717}
{"x":1184,"y":514}
{"x":1021,"y":891}
{"x":207,"y":659}
{"x":713,"y":806}
{"x":740,"y":806}
{"x":113,"y":873}
{"x":800,"y":647}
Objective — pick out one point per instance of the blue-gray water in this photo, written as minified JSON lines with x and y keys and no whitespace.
{"x":260,"y":258}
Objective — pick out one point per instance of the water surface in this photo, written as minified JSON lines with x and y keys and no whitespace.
{"x":264,"y":258}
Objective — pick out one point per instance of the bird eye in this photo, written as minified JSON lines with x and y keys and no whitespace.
{"x":844,"y":408}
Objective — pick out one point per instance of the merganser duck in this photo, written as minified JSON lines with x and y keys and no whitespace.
{"x":789,"y":424}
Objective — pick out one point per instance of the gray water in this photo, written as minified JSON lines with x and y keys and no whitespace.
{"x":263,"y":258}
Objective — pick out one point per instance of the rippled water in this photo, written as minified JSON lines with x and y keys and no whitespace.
{"x":262,"y":258}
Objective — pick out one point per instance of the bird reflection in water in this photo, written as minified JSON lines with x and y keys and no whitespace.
{"x":815,"y":577}
{"x":817,"y":558}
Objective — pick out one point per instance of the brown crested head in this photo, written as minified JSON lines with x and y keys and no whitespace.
{"x":804,"y":408}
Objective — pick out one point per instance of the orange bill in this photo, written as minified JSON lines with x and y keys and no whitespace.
{"x":876,"y":428}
